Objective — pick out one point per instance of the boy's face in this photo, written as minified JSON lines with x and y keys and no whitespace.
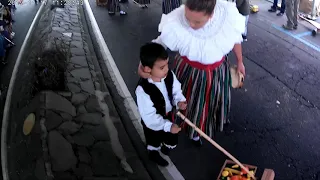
{"x":160,"y":69}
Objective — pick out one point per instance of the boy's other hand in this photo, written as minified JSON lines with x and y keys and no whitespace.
{"x":175,"y":129}
{"x":182,"y":105}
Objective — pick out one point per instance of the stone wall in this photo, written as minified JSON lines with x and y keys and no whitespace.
{"x":75,"y":136}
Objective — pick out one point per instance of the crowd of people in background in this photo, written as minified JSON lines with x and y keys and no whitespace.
{"x":6,"y":31}
{"x":7,"y":8}
{"x":113,"y":7}
{"x":290,"y":7}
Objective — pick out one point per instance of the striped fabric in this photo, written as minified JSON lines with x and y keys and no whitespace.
{"x":208,"y":96}
{"x":113,"y":6}
{"x":170,"y":5}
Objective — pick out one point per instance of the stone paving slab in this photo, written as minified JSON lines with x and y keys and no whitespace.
{"x":96,"y":151}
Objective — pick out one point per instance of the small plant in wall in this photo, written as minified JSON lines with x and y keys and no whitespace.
{"x":50,"y":66}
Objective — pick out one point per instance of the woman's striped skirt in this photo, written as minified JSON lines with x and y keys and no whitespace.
{"x":207,"y":90}
{"x":170,"y":5}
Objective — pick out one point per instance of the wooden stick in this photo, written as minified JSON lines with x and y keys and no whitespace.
{"x":215,"y":144}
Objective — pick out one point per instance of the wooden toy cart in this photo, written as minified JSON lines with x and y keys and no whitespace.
{"x":245,"y":172}
{"x":230,"y":169}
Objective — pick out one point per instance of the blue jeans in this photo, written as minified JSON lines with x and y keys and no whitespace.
{"x":283,"y":5}
{"x":246,"y":30}
{"x":2,"y":46}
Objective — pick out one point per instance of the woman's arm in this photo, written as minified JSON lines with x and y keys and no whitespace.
{"x":141,"y":73}
{"x":237,"y":49}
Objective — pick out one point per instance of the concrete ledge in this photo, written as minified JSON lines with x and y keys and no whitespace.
{"x":124,"y":102}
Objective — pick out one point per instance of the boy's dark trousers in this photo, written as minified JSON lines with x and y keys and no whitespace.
{"x":158,"y":138}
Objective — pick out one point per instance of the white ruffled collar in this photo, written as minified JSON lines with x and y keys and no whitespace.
{"x":211,"y":28}
{"x":209,"y":43}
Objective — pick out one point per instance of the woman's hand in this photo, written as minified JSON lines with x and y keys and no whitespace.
{"x":237,"y":49}
{"x":143,"y":74}
{"x":241,"y":68}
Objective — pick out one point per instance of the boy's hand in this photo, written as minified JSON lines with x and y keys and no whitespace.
{"x":175,"y":129}
{"x":182,"y":105}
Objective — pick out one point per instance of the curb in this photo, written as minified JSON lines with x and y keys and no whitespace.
{"x":126,"y":105}
{"x":6,"y":110}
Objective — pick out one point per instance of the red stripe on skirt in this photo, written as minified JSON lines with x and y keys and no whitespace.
{"x":207,"y":68}
{"x":207,"y":98}
{"x":188,"y":96}
{"x":200,"y":66}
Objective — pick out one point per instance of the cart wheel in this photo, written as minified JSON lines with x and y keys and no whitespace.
{"x":314,"y":32}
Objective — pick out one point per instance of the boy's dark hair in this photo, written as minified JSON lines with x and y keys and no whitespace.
{"x":151,"y":52}
{"x":206,"y":6}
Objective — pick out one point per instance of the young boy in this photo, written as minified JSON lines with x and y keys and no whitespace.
{"x":156,"y":97}
{"x":244,"y":9}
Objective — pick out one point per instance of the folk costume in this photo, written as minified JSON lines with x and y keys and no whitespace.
{"x":155,"y":102}
{"x":170,"y":5}
{"x":202,"y":64}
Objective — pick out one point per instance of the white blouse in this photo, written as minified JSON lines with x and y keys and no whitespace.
{"x":208,"y":44}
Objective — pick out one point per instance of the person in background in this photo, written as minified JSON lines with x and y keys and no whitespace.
{"x":244,"y":9}
{"x":170,"y":5}
{"x":113,"y":6}
{"x":142,"y":3}
{"x":3,"y":50}
{"x":274,"y":7}
{"x":292,"y":14}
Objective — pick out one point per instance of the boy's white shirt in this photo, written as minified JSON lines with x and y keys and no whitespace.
{"x":148,"y":112}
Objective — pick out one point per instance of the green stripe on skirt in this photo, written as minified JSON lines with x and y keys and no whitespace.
{"x":208,"y":96}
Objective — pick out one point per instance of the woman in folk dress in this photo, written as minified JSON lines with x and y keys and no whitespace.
{"x":203,"y":32}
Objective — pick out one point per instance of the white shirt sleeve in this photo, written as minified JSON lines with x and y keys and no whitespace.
{"x":149,"y":114}
{"x":158,"y":40}
{"x":176,"y":91}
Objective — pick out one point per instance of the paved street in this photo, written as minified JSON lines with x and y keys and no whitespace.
{"x":274,"y":117}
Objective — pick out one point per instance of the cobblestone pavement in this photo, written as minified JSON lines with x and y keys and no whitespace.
{"x":78,"y":134}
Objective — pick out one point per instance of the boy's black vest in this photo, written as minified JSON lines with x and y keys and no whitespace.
{"x":156,"y":95}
